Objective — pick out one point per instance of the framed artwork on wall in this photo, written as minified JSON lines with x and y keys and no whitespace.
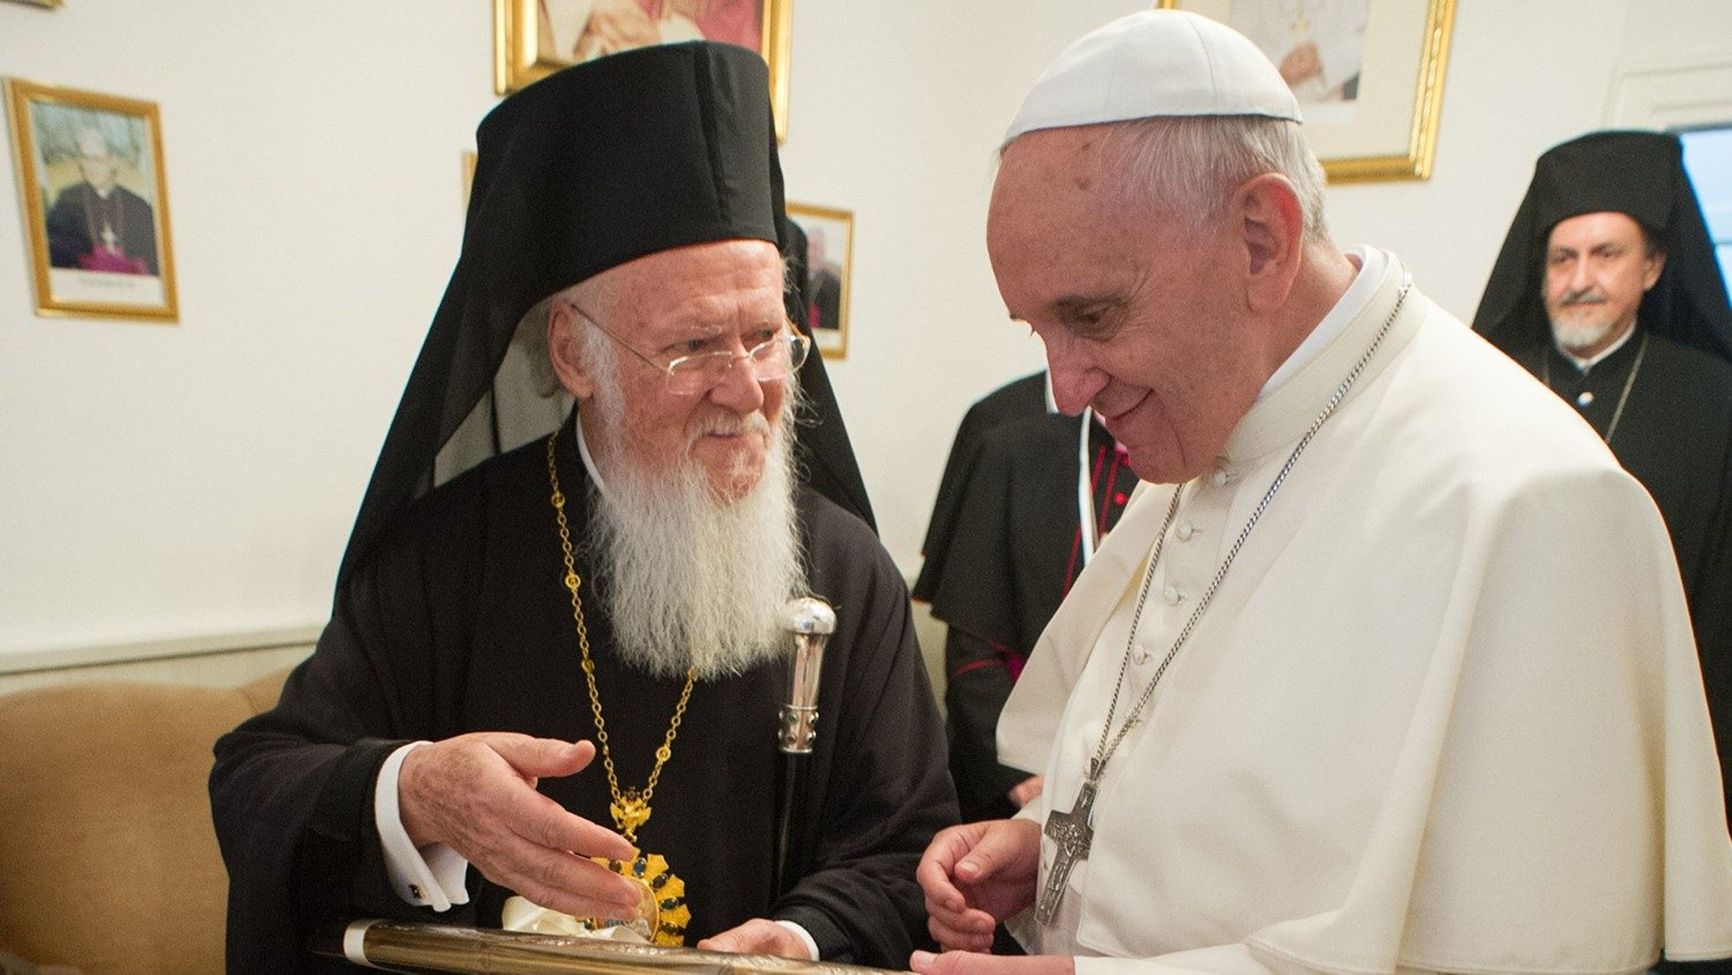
{"x":1368,"y":75}
{"x":534,"y":38}
{"x":95,"y":202}
{"x":38,"y":3}
{"x":829,"y":261}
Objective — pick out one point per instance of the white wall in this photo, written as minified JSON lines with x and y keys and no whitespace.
{"x":161,"y":481}
{"x":200,"y":478}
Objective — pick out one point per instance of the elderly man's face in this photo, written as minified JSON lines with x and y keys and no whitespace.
{"x":725,"y":295}
{"x":1597,"y":268}
{"x":1142,"y":319}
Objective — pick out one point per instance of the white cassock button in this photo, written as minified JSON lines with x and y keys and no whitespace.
{"x":1140,"y":654}
{"x":1220,"y":478}
{"x":1172,"y":596}
{"x":1185,"y":531}
{"x":1586,"y":398}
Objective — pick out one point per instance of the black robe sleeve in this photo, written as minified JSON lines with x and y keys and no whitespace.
{"x":292,"y":789}
{"x":1015,"y":400}
{"x":978,"y":683}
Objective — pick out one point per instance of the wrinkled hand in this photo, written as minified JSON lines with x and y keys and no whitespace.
{"x":614,"y":26}
{"x":973,"y":963}
{"x":759,"y":937}
{"x":476,"y":794}
{"x":1301,"y":63}
{"x":976,"y":875}
{"x":1026,"y":791}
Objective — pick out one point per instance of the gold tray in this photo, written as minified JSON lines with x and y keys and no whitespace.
{"x":444,"y":948}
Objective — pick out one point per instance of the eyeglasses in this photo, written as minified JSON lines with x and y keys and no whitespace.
{"x":782,"y":352}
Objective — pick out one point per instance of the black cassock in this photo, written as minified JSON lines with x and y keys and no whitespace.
{"x":458,"y":621}
{"x":74,"y":226}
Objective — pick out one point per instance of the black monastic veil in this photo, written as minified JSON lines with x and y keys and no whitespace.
{"x":659,"y":169}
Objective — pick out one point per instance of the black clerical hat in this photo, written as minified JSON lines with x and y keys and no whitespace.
{"x":594,"y":166}
{"x":1637,"y":173}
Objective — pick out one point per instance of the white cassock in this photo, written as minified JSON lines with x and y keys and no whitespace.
{"x":1444,"y":714}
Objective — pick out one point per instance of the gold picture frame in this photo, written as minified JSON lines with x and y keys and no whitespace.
{"x":829,"y":270}
{"x":39,"y":3}
{"x":1384,"y":126}
{"x":95,"y":199}
{"x":526,"y":35}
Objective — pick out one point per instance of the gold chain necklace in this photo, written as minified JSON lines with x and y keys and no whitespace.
{"x":663,"y":911}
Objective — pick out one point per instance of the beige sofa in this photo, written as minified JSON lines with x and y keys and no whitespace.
{"x":108,"y":863}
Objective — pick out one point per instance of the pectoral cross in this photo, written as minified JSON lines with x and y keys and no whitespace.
{"x":1072,"y":833}
{"x":110,"y":238}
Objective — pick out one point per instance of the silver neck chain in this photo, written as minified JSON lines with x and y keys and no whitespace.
{"x":1623,"y":397}
{"x":1105,"y":748}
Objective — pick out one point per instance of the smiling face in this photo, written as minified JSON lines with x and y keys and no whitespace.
{"x":1598,"y":266}
{"x":717,"y":296}
{"x":1143,"y":319}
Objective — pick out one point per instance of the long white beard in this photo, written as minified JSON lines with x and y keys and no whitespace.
{"x":693,"y":582}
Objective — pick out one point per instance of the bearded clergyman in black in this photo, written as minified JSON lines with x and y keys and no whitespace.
{"x":1607,"y":289}
{"x":548,"y":694}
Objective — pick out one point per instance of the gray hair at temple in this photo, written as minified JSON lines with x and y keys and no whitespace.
{"x":1190,"y":165}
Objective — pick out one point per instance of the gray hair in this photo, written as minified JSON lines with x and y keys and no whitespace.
{"x":1188,"y":165}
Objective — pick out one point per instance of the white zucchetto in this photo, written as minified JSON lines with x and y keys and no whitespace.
{"x":1155,"y":63}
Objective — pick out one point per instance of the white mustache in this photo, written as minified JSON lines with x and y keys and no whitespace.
{"x":730,"y":425}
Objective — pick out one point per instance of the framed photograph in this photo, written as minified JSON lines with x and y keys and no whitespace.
{"x":95,"y":202}
{"x":38,"y":3}
{"x":829,"y":259}
{"x":1368,"y":75}
{"x":534,"y":38}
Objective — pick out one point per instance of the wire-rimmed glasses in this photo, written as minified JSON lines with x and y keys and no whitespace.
{"x":770,"y":360}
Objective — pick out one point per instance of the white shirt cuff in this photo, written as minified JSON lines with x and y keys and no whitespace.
{"x":804,"y":935}
{"x":430,"y":877}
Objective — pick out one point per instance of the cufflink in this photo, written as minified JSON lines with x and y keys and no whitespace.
{"x":415,"y":892}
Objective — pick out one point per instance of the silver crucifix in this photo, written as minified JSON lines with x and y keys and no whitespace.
{"x":1073,"y":832}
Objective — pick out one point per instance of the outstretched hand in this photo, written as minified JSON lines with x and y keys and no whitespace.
{"x":476,"y":794}
{"x":976,"y":875}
